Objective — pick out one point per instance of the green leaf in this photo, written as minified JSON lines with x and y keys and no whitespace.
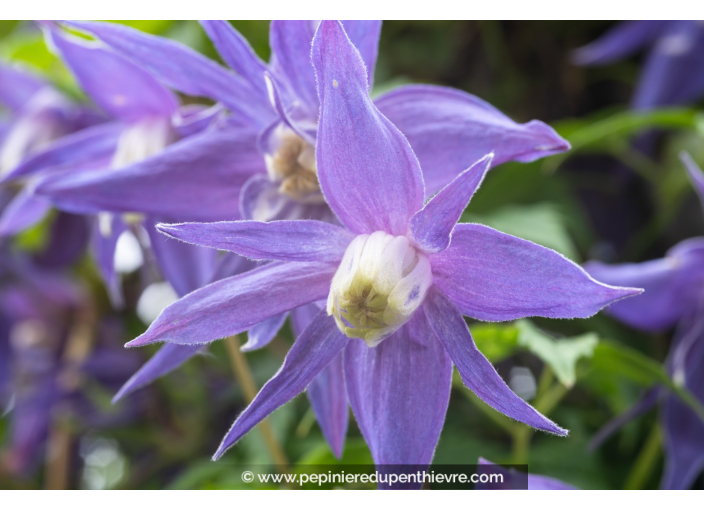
{"x":617,"y":360}
{"x":560,"y":355}
{"x":588,"y":134}
{"x":541,"y":223}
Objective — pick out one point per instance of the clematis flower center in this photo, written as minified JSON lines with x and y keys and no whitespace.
{"x":293,"y":166}
{"x":381,"y":281}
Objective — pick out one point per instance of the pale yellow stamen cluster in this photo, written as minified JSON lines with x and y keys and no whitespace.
{"x":379,"y":285}
{"x":293,"y":166}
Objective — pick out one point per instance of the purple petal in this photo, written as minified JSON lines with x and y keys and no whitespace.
{"x":235,"y":304}
{"x":432,"y":226}
{"x":17,"y":86}
{"x":399,"y":393}
{"x":671,"y":286}
{"x":92,"y":144}
{"x":290,"y":63}
{"x":517,"y":480}
{"x":302,"y":316}
{"x":621,"y":41}
{"x":684,"y":431}
{"x":185,"y":266}
{"x":168,"y":358}
{"x":367,"y":170}
{"x":261,"y":200}
{"x":298,"y":240}
{"x":319,"y":344}
{"x":364,"y":34}
{"x":198,"y":178}
{"x":184,"y":69}
{"x":264,"y":332}
{"x":25,"y":210}
{"x":236,"y":52}
{"x":674,"y":71}
{"x":493,"y":276}
{"x":118,"y":87}
{"x":103,"y":245}
{"x":328,"y":398}
{"x":476,"y":371}
{"x":449,"y":130}
{"x":695,"y":174}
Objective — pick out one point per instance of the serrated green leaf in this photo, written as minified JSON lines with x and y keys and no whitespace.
{"x":560,"y":355}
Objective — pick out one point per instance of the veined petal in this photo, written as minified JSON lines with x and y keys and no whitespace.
{"x":671,"y":286}
{"x":91,"y":144}
{"x":328,"y":398}
{"x":236,"y":52}
{"x":449,"y":130}
{"x":493,"y":276}
{"x":198,"y":178}
{"x":184,"y":69}
{"x":296,"y":240}
{"x":399,"y":392}
{"x":264,"y":332}
{"x":167,"y":359}
{"x":290,"y":62}
{"x":432,"y":226}
{"x":233,"y":305}
{"x":326,"y":392}
{"x":319,"y":344}
{"x":118,"y":87}
{"x":364,"y":34}
{"x":477,"y":373}
{"x":367,"y":170}
{"x":25,"y":210}
{"x":621,"y":41}
{"x":17,"y":86}
{"x":185,"y":266}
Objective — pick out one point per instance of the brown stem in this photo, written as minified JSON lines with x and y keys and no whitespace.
{"x":244,"y":376}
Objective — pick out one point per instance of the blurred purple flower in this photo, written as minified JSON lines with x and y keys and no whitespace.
{"x":38,"y":115}
{"x":271,"y":164}
{"x":673,"y":297}
{"x":674,"y":69}
{"x":47,"y":353}
{"x":402,"y":273}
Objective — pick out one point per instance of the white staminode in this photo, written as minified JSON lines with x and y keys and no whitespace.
{"x":142,"y":140}
{"x":292,"y":165}
{"x":381,"y":281}
{"x":39,"y":126}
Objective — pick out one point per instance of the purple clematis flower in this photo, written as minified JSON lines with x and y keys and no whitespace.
{"x":513,"y":480}
{"x":38,"y":115}
{"x":674,"y":69}
{"x":673,"y":297}
{"x":403,"y":274}
{"x":275,"y":111}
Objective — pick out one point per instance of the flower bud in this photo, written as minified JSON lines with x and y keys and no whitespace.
{"x":381,"y":281}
